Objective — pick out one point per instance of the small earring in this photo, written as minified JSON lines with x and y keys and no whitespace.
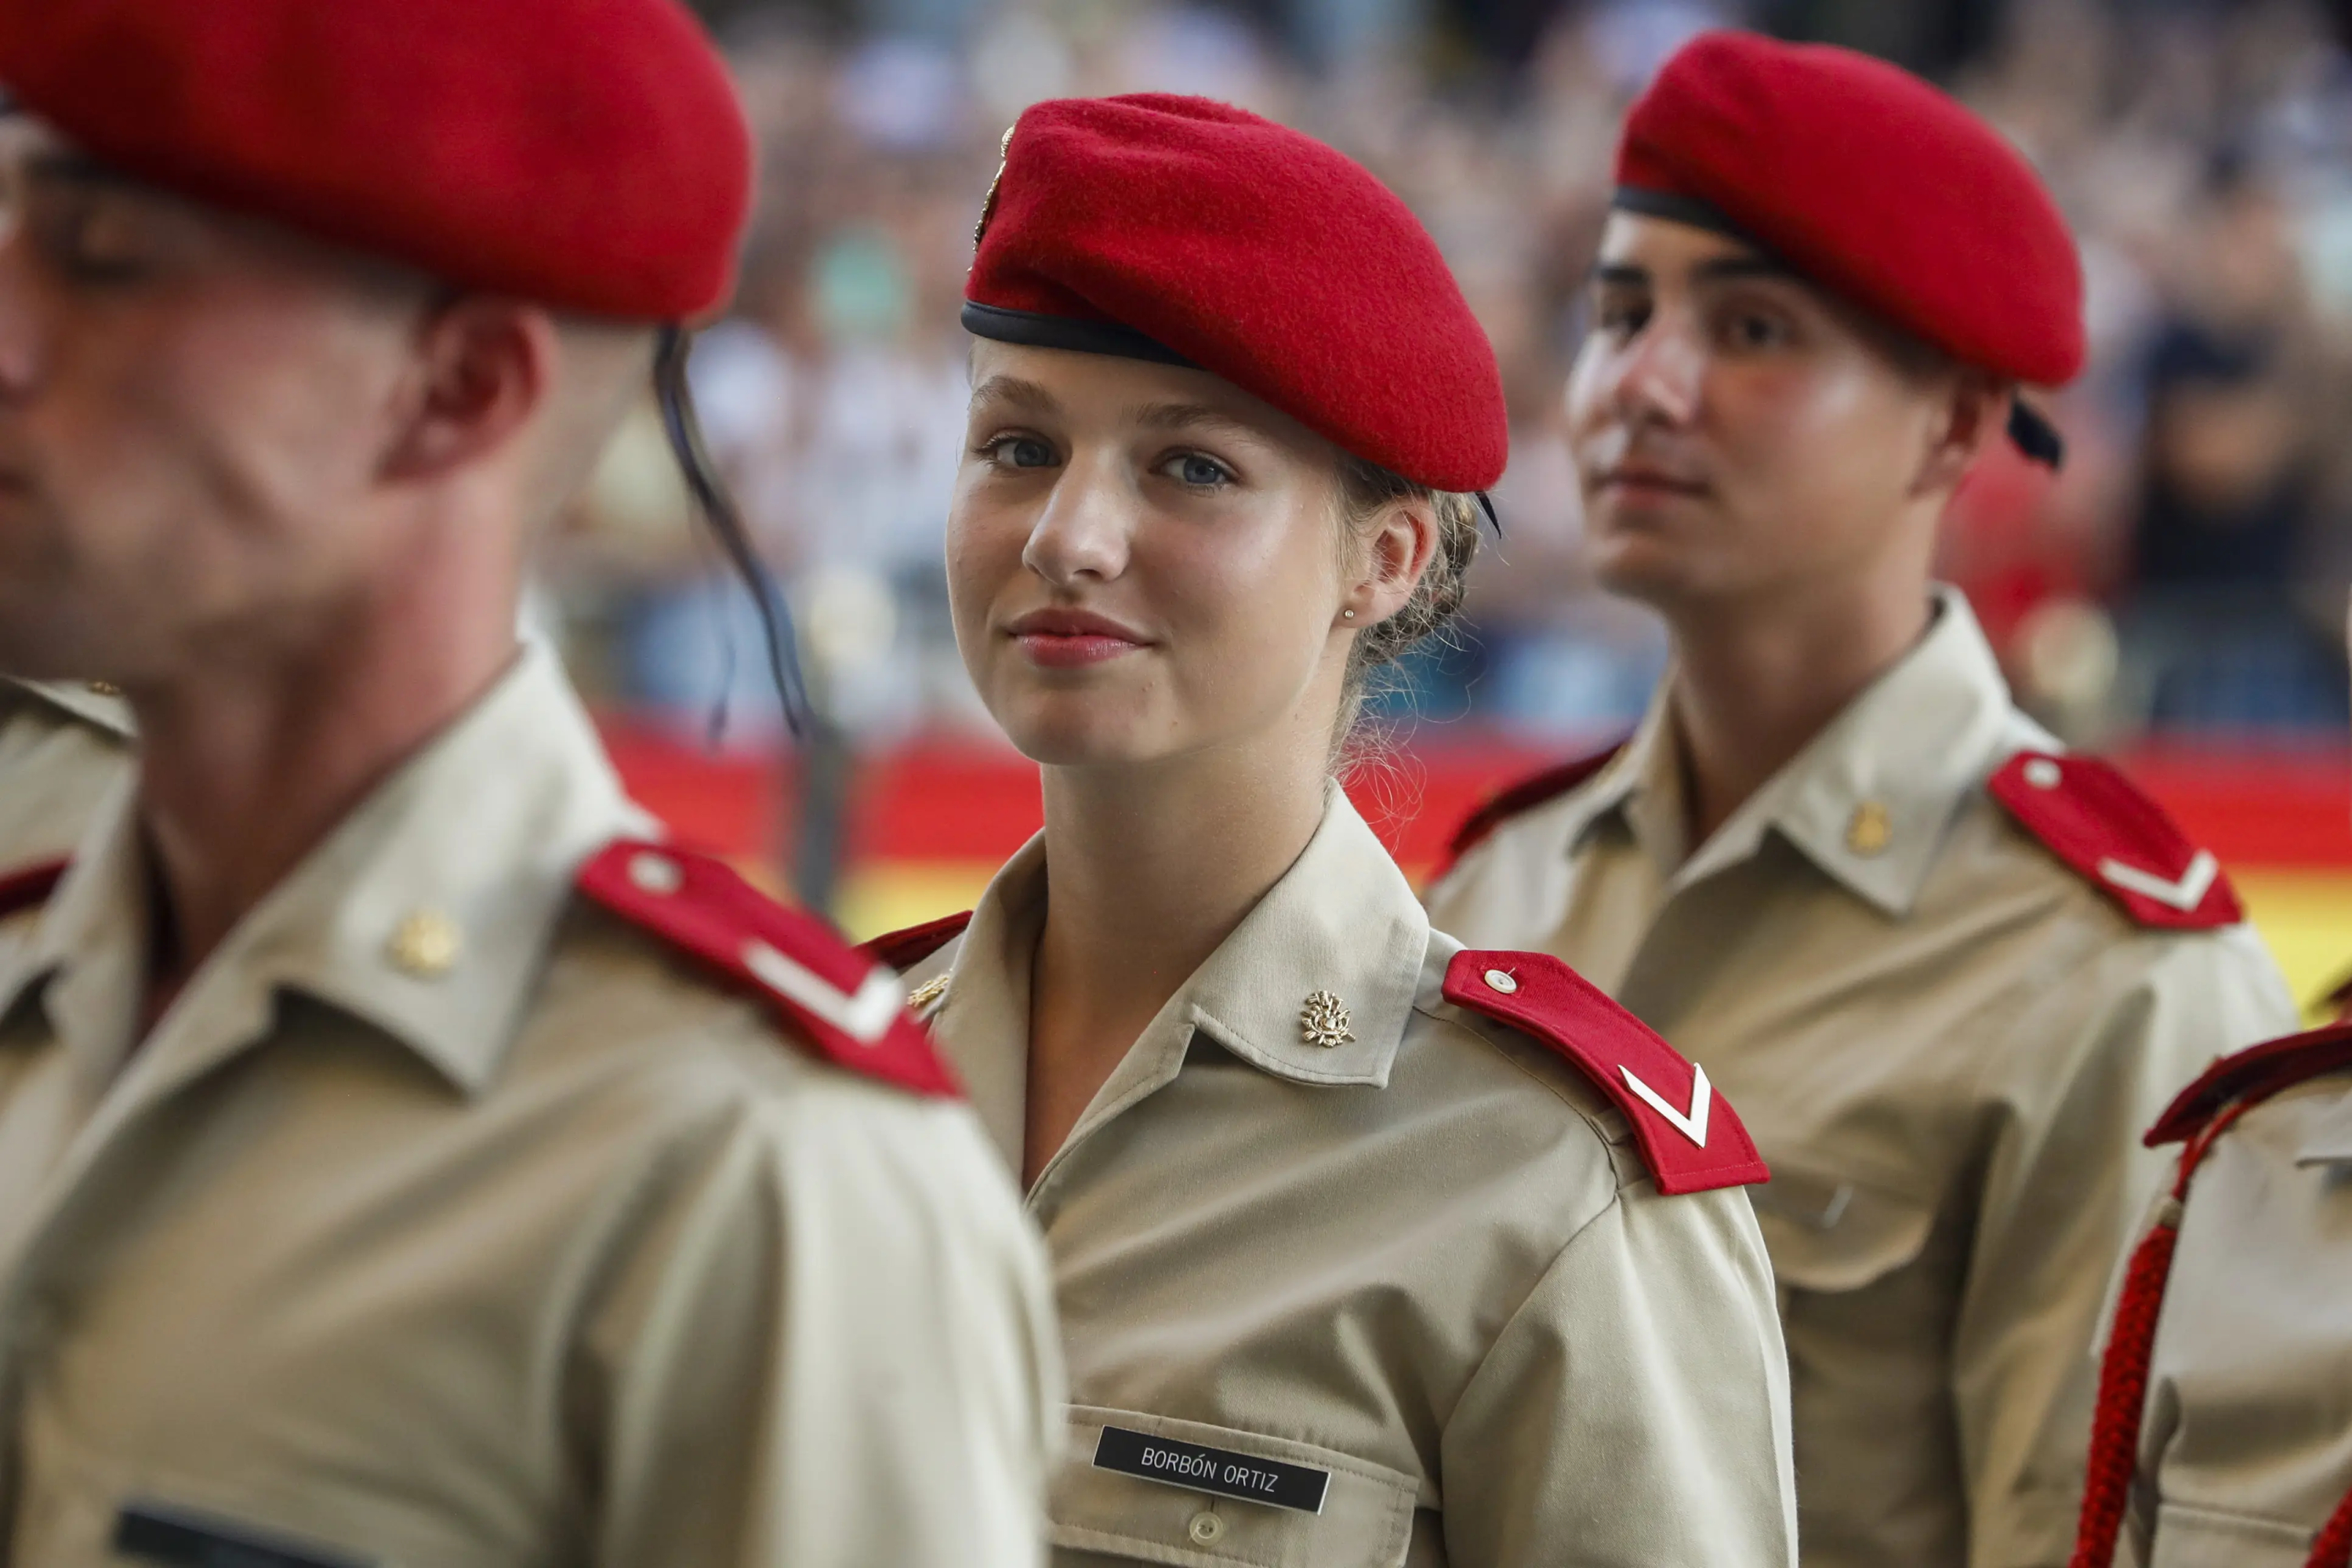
{"x":1346,"y":614}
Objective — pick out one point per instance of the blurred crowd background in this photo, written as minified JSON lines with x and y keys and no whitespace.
{"x":2185,"y":576}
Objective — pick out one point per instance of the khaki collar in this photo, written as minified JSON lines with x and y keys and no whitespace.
{"x":92,"y":704}
{"x":1868,"y":801}
{"x":1341,"y":921}
{"x":428,"y":912}
{"x":2329,"y":1142}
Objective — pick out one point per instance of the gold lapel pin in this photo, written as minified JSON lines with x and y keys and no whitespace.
{"x":1323,"y":1021}
{"x":424,"y":946}
{"x":1870,"y":830}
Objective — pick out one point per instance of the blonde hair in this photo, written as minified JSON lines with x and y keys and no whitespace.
{"x":1366,"y":491}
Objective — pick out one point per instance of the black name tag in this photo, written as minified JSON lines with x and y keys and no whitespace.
{"x":1218,"y":1470}
{"x":156,"y":1532}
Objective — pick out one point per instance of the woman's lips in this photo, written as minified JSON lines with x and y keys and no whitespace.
{"x":1067,"y":652}
{"x":1067,"y":639}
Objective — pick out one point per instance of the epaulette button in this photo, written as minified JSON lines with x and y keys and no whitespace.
{"x":655,"y":874}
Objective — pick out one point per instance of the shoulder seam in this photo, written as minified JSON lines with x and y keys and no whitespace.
{"x":1475,"y":1024}
{"x":1550,"y":1265}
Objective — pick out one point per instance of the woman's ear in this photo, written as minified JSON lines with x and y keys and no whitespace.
{"x":1397,"y":548}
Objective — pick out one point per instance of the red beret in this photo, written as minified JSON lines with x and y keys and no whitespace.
{"x":1870,"y":183}
{"x":587,"y":153}
{"x":1194,"y":233}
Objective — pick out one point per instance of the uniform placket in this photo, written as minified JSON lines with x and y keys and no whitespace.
{"x":1151,"y":1065}
{"x":195,"y":1038}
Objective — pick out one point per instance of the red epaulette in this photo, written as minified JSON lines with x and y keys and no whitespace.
{"x":1524,"y":795}
{"x":842,"y":1001}
{"x":1690,"y":1135}
{"x":2090,"y":816}
{"x":30,"y":886}
{"x":902,"y":950}
{"x":2250,"y":1076}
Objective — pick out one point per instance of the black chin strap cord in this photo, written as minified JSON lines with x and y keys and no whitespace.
{"x":726,"y":524}
{"x":2034,"y":435}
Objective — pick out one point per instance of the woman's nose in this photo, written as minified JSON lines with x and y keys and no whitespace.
{"x":1086,"y":528}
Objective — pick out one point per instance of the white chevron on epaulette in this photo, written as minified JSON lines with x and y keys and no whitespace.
{"x":1691,"y":1124}
{"x":865,"y":1017}
{"x":2184,"y":894}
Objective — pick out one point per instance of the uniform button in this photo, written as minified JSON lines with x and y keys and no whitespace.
{"x":424,"y":946}
{"x":1206,"y":1528}
{"x":2043,"y":773}
{"x":655,"y":874}
{"x":1497,"y":980}
{"x":1871,"y":829}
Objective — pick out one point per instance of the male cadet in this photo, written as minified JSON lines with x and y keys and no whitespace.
{"x":1947,"y":972}
{"x":2224,"y":1430}
{"x":63,"y":745}
{"x":407,"y":1158}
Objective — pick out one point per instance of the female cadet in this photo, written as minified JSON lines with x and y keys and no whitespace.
{"x":1363,"y":1243}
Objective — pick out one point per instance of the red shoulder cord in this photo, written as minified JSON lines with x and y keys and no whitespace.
{"x":2334,"y":1547}
{"x":2123,"y":1381}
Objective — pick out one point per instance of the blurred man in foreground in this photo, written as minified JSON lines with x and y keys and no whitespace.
{"x":409,"y":1157}
{"x":1946,"y":974}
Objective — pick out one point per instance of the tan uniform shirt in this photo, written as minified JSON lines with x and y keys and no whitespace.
{"x":2246,"y":1445}
{"x":1946,"y":1044}
{"x":62,"y":747}
{"x":448,"y":1222}
{"x":1425,"y":1262}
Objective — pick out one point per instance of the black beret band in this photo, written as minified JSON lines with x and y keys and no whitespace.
{"x":1676,"y":208}
{"x":1038,"y":332}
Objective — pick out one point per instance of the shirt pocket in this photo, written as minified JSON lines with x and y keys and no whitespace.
{"x":97,"y":1519}
{"x":1833,"y":1236}
{"x":1101,"y":1505}
{"x":81,"y":1506}
{"x":148,"y":1531}
{"x":2207,"y":1538}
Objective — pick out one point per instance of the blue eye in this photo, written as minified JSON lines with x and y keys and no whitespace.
{"x":1019,"y":452}
{"x":1198,"y":472}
